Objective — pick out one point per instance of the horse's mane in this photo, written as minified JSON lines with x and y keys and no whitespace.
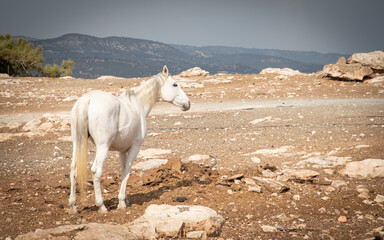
{"x":148,"y":91}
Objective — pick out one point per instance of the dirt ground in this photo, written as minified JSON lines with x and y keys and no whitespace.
{"x":313,"y":116}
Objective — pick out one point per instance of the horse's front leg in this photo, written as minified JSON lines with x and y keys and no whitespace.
{"x":126,"y":160}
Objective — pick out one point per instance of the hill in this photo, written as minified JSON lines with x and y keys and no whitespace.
{"x":130,"y":57}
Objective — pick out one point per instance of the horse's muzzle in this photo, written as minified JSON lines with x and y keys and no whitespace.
{"x":186,"y":106}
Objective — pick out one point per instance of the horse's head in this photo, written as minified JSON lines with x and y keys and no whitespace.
{"x":171,"y":92}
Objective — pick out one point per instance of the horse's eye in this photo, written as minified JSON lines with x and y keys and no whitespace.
{"x":175,"y":84}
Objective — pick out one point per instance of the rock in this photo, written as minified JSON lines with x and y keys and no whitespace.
{"x":267,"y":228}
{"x":377,"y":79}
{"x":255,"y":160}
{"x":196,"y":235}
{"x":379,"y":198}
{"x":342,"y":219}
{"x":296,"y":197}
{"x":374,"y":60}
{"x":234,"y":177}
{"x":366,"y":169}
{"x":152,"y":163}
{"x":254,"y":188}
{"x":271,"y":185}
{"x":175,"y":221}
{"x":338,"y":183}
{"x":354,"y":72}
{"x":284,"y":71}
{"x":323,"y":162}
{"x":249,"y":181}
{"x":342,"y":60}
{"x":194,"y":72}
{"x":81,"y":232}
{"x":322,"y":210}
{"x":364,"y":194}
{"x":301,"y":174}
{"x":153,"y":153}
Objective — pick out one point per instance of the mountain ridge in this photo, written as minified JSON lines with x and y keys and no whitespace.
{"x":132,"y":57}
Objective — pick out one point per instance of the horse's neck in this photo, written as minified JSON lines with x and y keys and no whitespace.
{"x":148,"y":93}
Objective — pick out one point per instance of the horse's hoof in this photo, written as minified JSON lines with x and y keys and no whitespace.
{"x":73,"y":210}
{"x":122,"y":205}
{"x":103,"y":209}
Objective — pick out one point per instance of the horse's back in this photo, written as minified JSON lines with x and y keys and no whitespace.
{"x":103,"y":115}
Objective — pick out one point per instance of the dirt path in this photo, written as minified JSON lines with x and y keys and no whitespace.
{"x":164,"y":108}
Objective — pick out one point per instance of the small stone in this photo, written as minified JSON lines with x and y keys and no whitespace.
{"x":33,"y":209}
{"x":338,"y":183}
{"x":249,"y":216}
{"x":196,"y":235}
{"x":255,"y":188}
{"x":362,"y":188}
{"x":303,"y":174}
{"x":296,"y":197}
{"x":255,"y":160}
{"x":267,"y":228}
{"x":342,"y":219}
{"x":368,"y":202}
{"x":322,"y":210}
{"x":364,"y":195}
{"x":249,"y":181}
{"x":325,"y":198}
{"x":379,"y":198}
{"x":330,"y":189}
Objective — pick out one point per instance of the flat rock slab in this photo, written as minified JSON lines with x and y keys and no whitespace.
{"x":366,"y":169}
{"x":94,"y":231}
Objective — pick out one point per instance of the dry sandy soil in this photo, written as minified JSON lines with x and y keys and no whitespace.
{"x":254,"y":125}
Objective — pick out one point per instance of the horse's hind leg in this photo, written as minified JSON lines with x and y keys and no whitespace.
{"x":126,"y":161}
{"x":97,"y":168}
{"x":72,"y":196}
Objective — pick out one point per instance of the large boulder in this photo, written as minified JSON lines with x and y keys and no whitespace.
{"x":176,"y":221}
{"x":194,"y":72}
{"x":366,"y":169}
{"x":354,"y":72}
{"x":374,"y":60}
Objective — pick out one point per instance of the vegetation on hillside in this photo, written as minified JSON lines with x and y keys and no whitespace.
{"x":20,"y":58}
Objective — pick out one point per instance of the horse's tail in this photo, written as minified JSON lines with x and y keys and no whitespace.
{"x":80,"y":135}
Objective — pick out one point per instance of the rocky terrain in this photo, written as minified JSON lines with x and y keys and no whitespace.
{"x":275,"y":155}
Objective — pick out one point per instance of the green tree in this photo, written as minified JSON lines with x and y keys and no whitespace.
{"x":18,"y":57}
{"x":52,"y":71}
{"x":67,"y":67}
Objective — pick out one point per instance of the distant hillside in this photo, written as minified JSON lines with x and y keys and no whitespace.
{"x":129,"y":57}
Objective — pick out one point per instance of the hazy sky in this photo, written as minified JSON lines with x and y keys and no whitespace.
{"x":341,"y":26}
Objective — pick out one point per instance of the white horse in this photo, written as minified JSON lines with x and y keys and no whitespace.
{"x":117,"y":124}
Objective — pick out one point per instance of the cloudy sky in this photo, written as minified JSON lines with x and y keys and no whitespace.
{"x":339,"y":26}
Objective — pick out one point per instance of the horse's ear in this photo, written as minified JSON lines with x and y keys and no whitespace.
{"x":165,"y":70}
